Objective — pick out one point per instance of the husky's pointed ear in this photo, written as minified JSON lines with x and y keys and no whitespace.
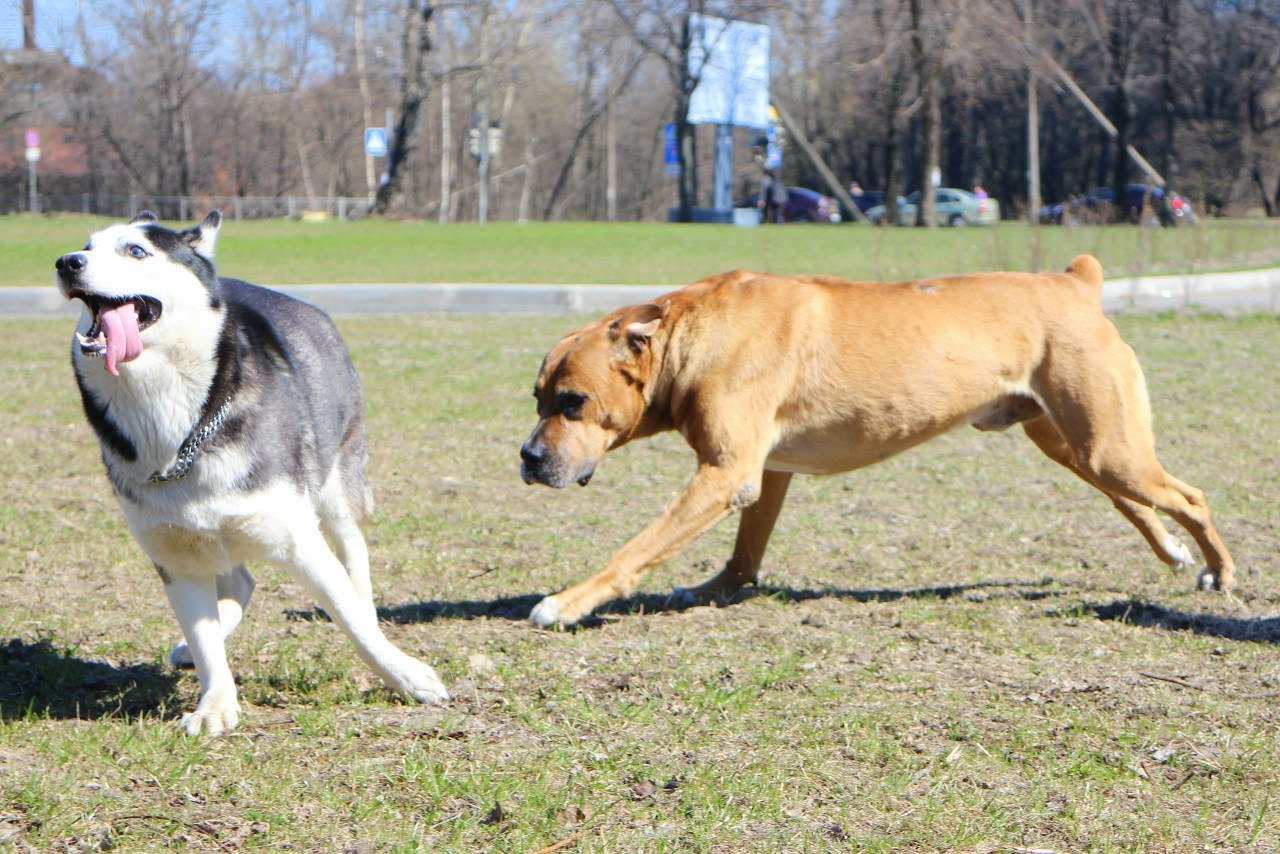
{"x":203,"y":236}
{"x":144,"y":218}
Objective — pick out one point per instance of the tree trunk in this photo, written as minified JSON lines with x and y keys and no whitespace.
{"x":1169,"y":91}
{"x":1121,"y":108}
{"x":685,"y":150}
{"x":927,"y":72}
{"x":366,"y":102}
{"x":413,"y":91}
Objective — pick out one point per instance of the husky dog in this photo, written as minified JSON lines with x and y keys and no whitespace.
{"x":231,"y":422}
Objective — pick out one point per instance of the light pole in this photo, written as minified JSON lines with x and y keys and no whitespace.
{"x":33,"y":157}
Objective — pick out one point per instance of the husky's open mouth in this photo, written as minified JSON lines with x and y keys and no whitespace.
{"x":118,"y":323}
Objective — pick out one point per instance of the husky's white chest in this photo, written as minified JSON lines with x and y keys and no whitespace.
{"x":210,"y":535}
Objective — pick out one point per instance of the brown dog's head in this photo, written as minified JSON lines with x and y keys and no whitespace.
{"x":590,"y":394}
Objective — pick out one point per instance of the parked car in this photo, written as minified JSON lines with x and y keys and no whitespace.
{"x":1142,"y":204}
{"x":866,"y":200}
{"x":802,"y":206}
{"x":955,"y":208}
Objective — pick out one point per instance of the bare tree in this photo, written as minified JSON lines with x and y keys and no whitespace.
{"x":662,"y":29}
{"x":413,"y":91}
{"x":927,"y":46}
{"x":160,"y":41}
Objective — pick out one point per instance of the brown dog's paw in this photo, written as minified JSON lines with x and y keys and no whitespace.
{"x":1183,"y":559}
{"x":547,"y":613}
{"x":1208,"y":581}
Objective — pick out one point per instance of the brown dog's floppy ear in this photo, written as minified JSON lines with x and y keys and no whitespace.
{"x":640,"y":324}
{"x":638,"y":334}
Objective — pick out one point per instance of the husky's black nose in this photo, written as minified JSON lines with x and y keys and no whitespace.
{"x":70,"y":264}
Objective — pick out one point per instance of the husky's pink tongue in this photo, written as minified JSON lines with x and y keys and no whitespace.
{"x":124,"y":342}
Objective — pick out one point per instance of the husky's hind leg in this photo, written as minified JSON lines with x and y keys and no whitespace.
{"x":341,"y":525}
{"x":310,"y":560}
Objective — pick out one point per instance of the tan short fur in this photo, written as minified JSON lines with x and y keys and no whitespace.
{"x":767,"y":376}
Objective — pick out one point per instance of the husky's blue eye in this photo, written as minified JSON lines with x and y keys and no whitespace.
{"x":136,"y":251}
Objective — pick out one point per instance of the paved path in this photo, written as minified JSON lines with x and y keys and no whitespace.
{"x":1251,"y":290}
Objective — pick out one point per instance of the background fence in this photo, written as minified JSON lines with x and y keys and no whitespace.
{"x":189,"y":207}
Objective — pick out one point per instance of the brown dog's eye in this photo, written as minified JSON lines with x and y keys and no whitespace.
{"x":571,"y":404}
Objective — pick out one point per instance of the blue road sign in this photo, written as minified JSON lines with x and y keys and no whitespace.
{"x":670,"y":151}
{"x":375,"y":142}
{"x":772,"y":151}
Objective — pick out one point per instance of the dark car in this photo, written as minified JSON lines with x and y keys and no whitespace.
{"x":865,"y":200}
{"x":802,"y":206}
{"x":1143,"y":204}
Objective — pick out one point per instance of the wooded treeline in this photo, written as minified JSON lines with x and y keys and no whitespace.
{"x":189,"y":97}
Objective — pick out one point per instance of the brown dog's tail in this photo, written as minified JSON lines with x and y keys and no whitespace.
{"x":1087,"y":269}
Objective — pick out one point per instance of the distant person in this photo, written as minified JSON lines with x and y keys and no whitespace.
{"x":773,"y":196}
{"x":979,"y":192}
{"x":855,"y":189}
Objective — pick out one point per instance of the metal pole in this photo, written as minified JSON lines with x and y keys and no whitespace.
{"x":446,"y":151}
{"x":34,"y":202}
{"x":611,"y":160}
{"x":723,"y":197}
{"x":389,"y":129}
{"x":483,"y":203}
{"x":1033,"y":126}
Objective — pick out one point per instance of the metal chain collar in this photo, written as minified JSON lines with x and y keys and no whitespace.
{"x":191,"y":448}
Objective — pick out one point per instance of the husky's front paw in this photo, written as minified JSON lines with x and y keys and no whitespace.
{"x":216,"y":714}
{"x":547,"y":613}
{"x":683,"y":597}
{"x":418,"y":682}
{"x":180,"y":656}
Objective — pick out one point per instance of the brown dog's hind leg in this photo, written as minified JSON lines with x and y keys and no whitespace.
{"x":743,"y":566}
{"x":1167,"y":547}
{"x":1106,"y":420}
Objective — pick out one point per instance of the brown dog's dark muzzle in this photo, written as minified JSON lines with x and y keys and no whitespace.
{"x":539,"y":466}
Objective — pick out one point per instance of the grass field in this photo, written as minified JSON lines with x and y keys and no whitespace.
{"x":963,"y":648}
{"x":277,"y":252}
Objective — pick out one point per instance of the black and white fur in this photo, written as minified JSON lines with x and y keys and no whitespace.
{"x":281,"y":480}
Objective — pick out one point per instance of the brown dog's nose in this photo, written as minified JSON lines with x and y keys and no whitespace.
{"x":531,"y":454}
{"x":70,"y":264}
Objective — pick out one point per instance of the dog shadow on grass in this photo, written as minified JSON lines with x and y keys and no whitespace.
{"x":1135,"y":612}
{"x":40,"y":680}
{"x":517,"y":608}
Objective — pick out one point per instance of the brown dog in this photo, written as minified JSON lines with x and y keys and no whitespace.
{"x":766,"y":376}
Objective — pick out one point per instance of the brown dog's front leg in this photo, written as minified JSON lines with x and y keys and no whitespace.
{"x":713,"y":493}
{"x":743,"y":566}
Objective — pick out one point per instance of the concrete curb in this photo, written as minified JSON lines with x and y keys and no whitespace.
{"x":1246,"y":289}
{"x":1251,"y":289}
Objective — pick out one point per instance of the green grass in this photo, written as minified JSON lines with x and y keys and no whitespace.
{"x":293,"y":252}
{"x":953,"y":650}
